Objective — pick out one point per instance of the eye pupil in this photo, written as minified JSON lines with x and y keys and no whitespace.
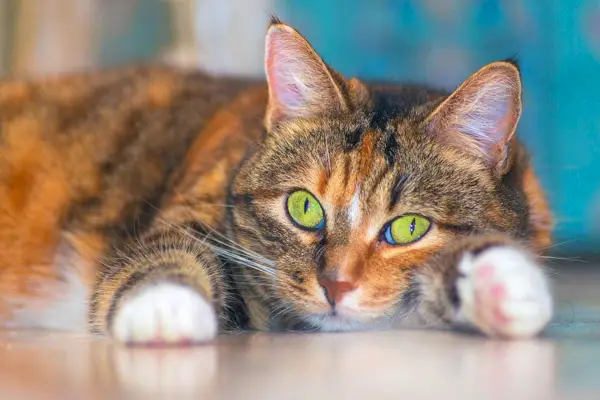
{"x":412,"y":226}
{"x":306,"y":205}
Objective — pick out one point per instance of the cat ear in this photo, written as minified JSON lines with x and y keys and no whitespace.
{"x":300,"y":83}
{"x":481,"y":116}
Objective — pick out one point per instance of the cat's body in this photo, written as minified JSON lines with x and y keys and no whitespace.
{"x":91,"y":160}
{"x":163,"y":198}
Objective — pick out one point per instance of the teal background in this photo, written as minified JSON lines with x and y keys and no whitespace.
{"x":137,"y":34}
{"x":441,"y":42}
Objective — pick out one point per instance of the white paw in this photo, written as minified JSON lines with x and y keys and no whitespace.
{"x":504,"y":293}
{"x":165,"y":313}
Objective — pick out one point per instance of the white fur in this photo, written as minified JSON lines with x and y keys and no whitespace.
{"x":372,"y":232}
{"x":354,"y":210}
{"x":65,"y":312}
{"x":165,"y":313}
{"x":63,"y":305}
{"x":526,"y":305}
{"x":350,"y":300}
{"x":338,"y":324}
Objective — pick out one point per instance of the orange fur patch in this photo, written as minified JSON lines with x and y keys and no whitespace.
{"x":33,"y":196}
{"x":161,"y":91}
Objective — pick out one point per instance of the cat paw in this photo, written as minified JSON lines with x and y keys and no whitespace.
{"x":504,"y":293}
{"x":165,"y":314}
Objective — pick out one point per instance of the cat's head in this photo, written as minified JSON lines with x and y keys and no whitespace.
{"x":355,"y":186}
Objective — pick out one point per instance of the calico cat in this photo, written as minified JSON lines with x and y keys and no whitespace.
{"x":158,"y":205}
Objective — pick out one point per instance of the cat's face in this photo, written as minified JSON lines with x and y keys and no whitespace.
{"x":346,"y":196}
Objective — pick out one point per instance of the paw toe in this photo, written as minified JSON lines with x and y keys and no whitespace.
{"x":165,"y":314}
{"x":505,"y":293}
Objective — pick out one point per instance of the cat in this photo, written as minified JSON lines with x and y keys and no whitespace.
{"x":158,"y":205}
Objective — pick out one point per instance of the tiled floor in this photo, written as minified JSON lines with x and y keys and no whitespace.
{"x":564,"y":364}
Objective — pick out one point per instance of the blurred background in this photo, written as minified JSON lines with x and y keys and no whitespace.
{"x":438,"y":42}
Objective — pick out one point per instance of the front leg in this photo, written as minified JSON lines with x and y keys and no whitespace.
{"x":166,"y":288}
{"x":488,"y":283}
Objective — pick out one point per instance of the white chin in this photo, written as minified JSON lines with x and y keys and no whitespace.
{"x":338,"y":323}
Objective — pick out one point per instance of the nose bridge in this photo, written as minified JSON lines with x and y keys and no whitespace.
{"x":344,"y":263}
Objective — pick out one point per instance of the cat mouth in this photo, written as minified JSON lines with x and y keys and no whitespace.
{"x":345,"y":315}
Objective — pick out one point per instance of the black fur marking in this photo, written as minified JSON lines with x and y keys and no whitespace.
{"x":453,"y":297}
{"x":354,"y":138}
{"x":270,"y":238}
{"x":245,"y":198}
{"x":514,"y":60}
{"x":391,"y":148}
{"x":274,"y":20}
{"x":138,"y":216}
{"x":320,"y":253}
{"x":398,"y":102}
{"x":460,"y":229}
{"x":384,"y":109}
{"x":197,"y":230}
{"x":296,"y":275}
{"x":347,"y":171}
{"x":397,"y":190}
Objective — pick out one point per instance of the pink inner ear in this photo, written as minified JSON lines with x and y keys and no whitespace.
{"x":300,"y":84}
{"x":486,"y":111}
{"x":481,"y":116}
{"x":504,"y":125}
{"x":283,"y":70}
{"x":288,"y":94}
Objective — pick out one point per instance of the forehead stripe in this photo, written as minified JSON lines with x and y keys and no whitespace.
{"x":397,"y":190}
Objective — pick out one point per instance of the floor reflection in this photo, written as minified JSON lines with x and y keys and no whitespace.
{"x":415,"y":364}
{"x":169,"y":371}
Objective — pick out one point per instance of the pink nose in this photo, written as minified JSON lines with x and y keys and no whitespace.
{"x":335,"y":290}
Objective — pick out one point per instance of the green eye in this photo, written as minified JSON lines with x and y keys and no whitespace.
{"x":304,"y":209}
{"x":406,"y":229}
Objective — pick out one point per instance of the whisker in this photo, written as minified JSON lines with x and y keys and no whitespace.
{"x":164,"y":221}
{"x":560,"y":244}
{"x":233,"y":246}
{"x":244,"y":251}
{"x":231,"y":252}
{"x":232,"y":243}
{"x":280,"y":309}
{"x":575,"y":259}
{"x":246,"y":263}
